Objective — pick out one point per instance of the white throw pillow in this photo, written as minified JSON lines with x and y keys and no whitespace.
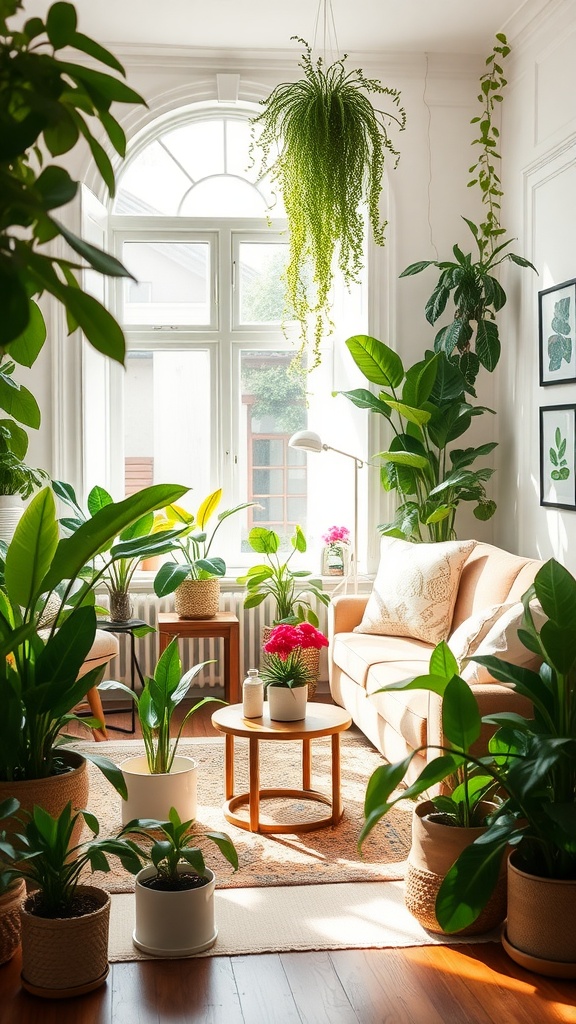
{"x":415,"y":589}
{"x":502,"y":641}
{"x":469,"y":635}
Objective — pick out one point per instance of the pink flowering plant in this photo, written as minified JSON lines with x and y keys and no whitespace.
{"x":284,"y":665}
{"x":336,"y":535}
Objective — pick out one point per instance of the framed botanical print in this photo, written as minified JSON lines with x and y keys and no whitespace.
{"x":558,"y":456}
{"x":557,"y":334}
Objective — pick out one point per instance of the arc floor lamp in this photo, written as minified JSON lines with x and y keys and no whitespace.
{"x":308,"y":441}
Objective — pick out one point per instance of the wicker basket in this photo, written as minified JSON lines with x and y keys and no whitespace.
{"x":54,"y":792}
{"x":10,"y":919}
{"x":197,"y":599}
{"x":65,"y":956}
{"x":310,"y":656}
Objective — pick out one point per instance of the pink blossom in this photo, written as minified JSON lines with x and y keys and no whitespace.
{"x":284,"y":639}
{"x":335,"y":534}
{"x":311,"y":637}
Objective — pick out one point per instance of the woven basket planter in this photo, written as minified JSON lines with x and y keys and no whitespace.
{"x":434,"y":849}
{"x":10,"y":927}
{"x":54,"y":792}
{"x":310,"y":656}
{"x":540,"y":934}
{"x":197,"y":599}
{"x":64,"y":957}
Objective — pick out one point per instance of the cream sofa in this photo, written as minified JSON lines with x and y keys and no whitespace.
{"x":398,"y":722}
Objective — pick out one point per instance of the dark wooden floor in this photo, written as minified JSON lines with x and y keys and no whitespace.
{"x":468,"y":984}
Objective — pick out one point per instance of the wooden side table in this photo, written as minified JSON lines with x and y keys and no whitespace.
{"x":225,"y":625}
{"x":321,"y":720}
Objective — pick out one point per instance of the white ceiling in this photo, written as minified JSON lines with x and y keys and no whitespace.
{"x":442,"y":26}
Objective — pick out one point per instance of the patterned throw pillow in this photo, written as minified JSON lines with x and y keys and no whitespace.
{"x":502,"y":641}
{"x":415,"y":589}
{"x":465,"y":640}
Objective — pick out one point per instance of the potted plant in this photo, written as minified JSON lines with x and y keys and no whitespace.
{"x":12,"y":889}
{"x":286,"y":674}
{"x":17,"y":480}
{"x":117,"y":562}
{"x":174,"y":895}
{"x":195,"y":580}
{"x":65,"y":923}
{"x":325,"y":144}
{"x":532,"y":762}
{"x":161,"y":778}
{"x":39,"y":666}
{"x":336,"y":553}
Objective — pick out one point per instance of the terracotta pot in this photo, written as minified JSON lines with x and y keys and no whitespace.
{"x":434,"y":849}
{"x":10,"y":927}
{"x":54,"y":792}
{"x":152,"y":796}
{"x":64,"y":957}
{"x":286,"y":705}
{"x":540,"y":933}
{"x":174,"y":923}
{"x":197,"y":599}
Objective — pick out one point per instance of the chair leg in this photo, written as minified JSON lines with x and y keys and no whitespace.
{"x":95,"y":703}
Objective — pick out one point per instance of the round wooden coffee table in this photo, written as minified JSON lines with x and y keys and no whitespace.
{"x":321,"y":720}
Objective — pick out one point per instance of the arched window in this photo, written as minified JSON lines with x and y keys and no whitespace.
{"x":208,"y":397}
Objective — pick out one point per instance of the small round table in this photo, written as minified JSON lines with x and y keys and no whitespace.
{"x":321,"y":720}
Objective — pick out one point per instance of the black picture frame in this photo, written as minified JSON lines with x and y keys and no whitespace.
{"x":558,"y":457}
{"x":557,"y":334}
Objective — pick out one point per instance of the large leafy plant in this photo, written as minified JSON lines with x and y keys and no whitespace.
{"x":472,"y":338}
{"x":427,"y":409}
{"x":39,"y":664}
{"x":532,"y":761}
{"x":156,"y":704}
{"x":325,"y":144}
{"x":47,"y":104}
{"x":276,"y":579}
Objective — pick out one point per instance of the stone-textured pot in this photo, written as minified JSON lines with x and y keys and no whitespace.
{"x":152,"y":796}
{"x":54,"y":792}
{"x":434,"y":849}
{"x":285,"y":704}
{"x":10,"y":927}
{"x":540,"y":933}
{"x":174,"y":924}
{"x":197,"y":599}
{"x":64,"y":957}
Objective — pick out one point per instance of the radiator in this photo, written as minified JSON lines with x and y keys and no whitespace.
{"x":146,"y":607}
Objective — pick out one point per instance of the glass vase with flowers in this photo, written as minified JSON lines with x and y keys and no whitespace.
{"x":286,"y":672}
{"x":336,"y":552}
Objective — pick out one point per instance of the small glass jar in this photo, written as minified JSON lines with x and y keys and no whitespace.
{"x":253,"y":695}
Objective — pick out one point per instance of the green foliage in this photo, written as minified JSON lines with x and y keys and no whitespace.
{"x":557,"y":456}
{"x":40,"y":662}
{"x":15,"y":476}
{"x":331,"y":144}
{"x":280,"y":392}
{"x":472,"y":338}
{"x":160,"y":696}
{"x":173,"y":848}
{"x":427,"y":410}
{"x":48,"y":860}
{"x":560,"y":342}
{"x":193,"y":544}
{"x":531,"y":761}
{"x":47,"y":104}
{"x":276,"y":579}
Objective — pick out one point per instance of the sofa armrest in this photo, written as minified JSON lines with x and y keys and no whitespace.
{"x":345,"y":612}
{"x":492,"y":698}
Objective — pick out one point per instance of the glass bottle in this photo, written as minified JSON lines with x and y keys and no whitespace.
{"x":253,"y":695}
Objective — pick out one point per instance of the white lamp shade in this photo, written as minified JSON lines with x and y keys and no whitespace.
{"x":307,"y":440}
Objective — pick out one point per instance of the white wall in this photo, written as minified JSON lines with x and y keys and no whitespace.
{"x":539,"y":158}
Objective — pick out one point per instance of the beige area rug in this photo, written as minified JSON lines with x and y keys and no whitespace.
{"x":322,"y":856}
{"x":295,"y":918}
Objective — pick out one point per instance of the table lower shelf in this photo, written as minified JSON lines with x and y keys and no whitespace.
{"x":310,"y":825}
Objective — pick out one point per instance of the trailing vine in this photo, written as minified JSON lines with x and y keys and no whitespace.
{"x":331,"y":144}
{"x":492,"y":83}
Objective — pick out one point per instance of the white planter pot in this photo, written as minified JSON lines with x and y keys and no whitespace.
{"x":174,"y":924}
{"x":152,"y":796}
{"x":11,"y":512}
{"x":286,"y":705}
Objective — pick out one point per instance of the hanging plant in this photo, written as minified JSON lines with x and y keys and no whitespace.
{"x":331,"y":144}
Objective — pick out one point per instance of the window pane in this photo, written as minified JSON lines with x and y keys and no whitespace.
{"x":167,"y":398}
{"x":271,"y":514}
{"x":223,"y":197}
{"x":262,"y":287}
{"x":151,"y":184}
{"x":267,"y":452}
{"x":198,"y":148}
{"x":268,"y":481}
{"x":172,"y":283}
{"x":296,"y":481}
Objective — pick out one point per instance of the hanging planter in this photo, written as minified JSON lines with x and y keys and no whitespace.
{"x":332,"y":144}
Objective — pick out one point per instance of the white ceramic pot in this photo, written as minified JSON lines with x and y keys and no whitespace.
{"x":174,"y":924}
{"x":286,"y":705}
{"x":152,"y":796}
{"x":11,"y":512}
